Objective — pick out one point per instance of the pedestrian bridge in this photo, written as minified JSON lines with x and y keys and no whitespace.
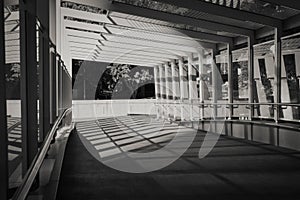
{"x":144,"y":99}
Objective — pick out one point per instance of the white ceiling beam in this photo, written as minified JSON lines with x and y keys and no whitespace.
{"x":121,"y":57}
{"x":84,"y":26}
{"x":108,"y":60}
{"x":128,"y":54}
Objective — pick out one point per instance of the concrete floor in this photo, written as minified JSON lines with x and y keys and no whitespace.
{"x":235,"y":169}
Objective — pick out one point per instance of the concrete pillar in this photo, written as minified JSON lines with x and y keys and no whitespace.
{"x":193,"y":94}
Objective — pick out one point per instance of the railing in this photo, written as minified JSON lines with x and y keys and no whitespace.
{"x":32,"y":172}
{"x":284,"y":107}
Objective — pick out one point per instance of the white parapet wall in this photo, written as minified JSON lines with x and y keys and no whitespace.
{"x":14,"y":108}
{"x":95,"y":109}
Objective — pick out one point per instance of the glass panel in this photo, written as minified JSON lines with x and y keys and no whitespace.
{"x":264,"y":80}
{"x":290,"y":91}
{"x":240,"y":89}
{"x":13,"y":93}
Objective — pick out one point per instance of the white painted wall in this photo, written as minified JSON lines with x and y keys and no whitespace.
{"x":94,"y":109}
{"x":14,"y":108}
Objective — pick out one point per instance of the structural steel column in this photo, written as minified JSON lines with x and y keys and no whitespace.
{"x":251,"y":76}
{"x":162,"y":88}
{"x":192,"y":85}
{"x":230,"y":79}
{"x":278,"y":55}
{"x":176,"y":88}
{"x":44,"y":58}
{"x":53,"y":87}
{"x":157,"y":88}
{"x":29,"y":89}
{"x":215,"y":85}
{"x":3,"y":120}
{"x":201,"y":83}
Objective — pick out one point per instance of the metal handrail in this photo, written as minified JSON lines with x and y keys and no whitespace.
{"x":29,"y":178}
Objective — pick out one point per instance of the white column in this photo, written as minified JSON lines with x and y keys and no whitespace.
{"x":157,"y":89}
{"x":175,"y":87}
{"x":201,"y":83}
{"x":192,"y":85}
{"x":168,"y":89}
{"x":183,"y":87}
{"x":162,"y":89}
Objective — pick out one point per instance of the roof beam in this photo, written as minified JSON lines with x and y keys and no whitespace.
{"x":224,"y":11}
{"x":294,"y":4}
{"x":177,"y":19}
{"x":162,"y":16}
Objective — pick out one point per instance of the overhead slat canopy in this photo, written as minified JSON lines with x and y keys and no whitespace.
{"x":152,"y":32}
{"x":127,"y":39}
{"x":162,"y":30}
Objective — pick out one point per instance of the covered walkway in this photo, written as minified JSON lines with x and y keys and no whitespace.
{"x":204,"y":93}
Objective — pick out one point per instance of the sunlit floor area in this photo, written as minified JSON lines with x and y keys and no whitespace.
{"x":234,"y":169}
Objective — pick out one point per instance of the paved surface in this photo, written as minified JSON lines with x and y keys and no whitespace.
{"x":235,"y":169}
